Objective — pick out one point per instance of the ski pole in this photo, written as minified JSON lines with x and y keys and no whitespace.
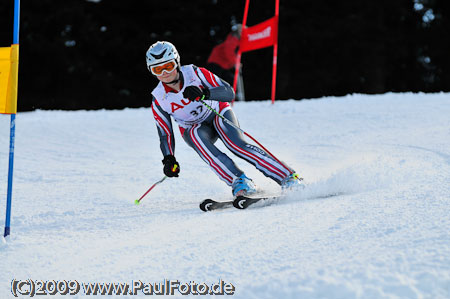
{"x":138,"y":201}
{"x":245,"y":133}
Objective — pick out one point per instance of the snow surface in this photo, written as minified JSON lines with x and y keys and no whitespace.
{"x":387,"y":235}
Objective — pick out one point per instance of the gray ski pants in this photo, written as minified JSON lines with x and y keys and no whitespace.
{"x":201,"y":137}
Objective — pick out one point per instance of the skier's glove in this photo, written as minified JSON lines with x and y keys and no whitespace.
{"x":195,"y":93}
{"x":171,"y":166}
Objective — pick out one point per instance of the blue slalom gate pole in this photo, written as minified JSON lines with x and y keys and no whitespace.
{"x":10,"y":175}
{"x":12,"y":132}
{"x":16,"y":21}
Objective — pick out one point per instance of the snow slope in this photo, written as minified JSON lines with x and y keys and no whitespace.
{"x":387,"y":235}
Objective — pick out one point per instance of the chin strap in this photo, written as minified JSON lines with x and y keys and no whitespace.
{"x":174,"y":81}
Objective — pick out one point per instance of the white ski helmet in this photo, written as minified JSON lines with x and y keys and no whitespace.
{"x":161,"y":52}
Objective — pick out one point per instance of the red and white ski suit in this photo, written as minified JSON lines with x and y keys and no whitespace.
{"x":200,"y":127}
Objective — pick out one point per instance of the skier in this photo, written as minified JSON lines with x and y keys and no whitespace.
{"x":222,"y":59}
{"x":182,"y":94}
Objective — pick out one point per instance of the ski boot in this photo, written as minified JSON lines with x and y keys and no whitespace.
{"x":292,"y":182}
{"x":243,"y":186}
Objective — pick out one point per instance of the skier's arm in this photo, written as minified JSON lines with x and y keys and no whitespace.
{"x":165,"y":130}
{"x":219,"y":90}
{"x":222,"y":93}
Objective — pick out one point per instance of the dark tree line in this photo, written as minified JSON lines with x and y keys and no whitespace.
{"x":78,"y":54}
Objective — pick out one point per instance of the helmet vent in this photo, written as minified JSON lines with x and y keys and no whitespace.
{"x":159,"y":56}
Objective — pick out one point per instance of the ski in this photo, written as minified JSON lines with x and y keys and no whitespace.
{"x":240,"y":202}
{"x":211,"y":205}
{"x":243,"y":202}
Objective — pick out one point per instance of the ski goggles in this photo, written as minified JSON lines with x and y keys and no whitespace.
{"x":169,"y":66}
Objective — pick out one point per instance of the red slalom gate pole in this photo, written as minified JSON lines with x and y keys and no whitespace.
{"x":275,"y":52}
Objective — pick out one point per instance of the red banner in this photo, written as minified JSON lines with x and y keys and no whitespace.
{"x":259,"y":36}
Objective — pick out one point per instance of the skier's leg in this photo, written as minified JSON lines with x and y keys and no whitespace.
{"x":201,"y":138}
{"x":234,"y":141}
